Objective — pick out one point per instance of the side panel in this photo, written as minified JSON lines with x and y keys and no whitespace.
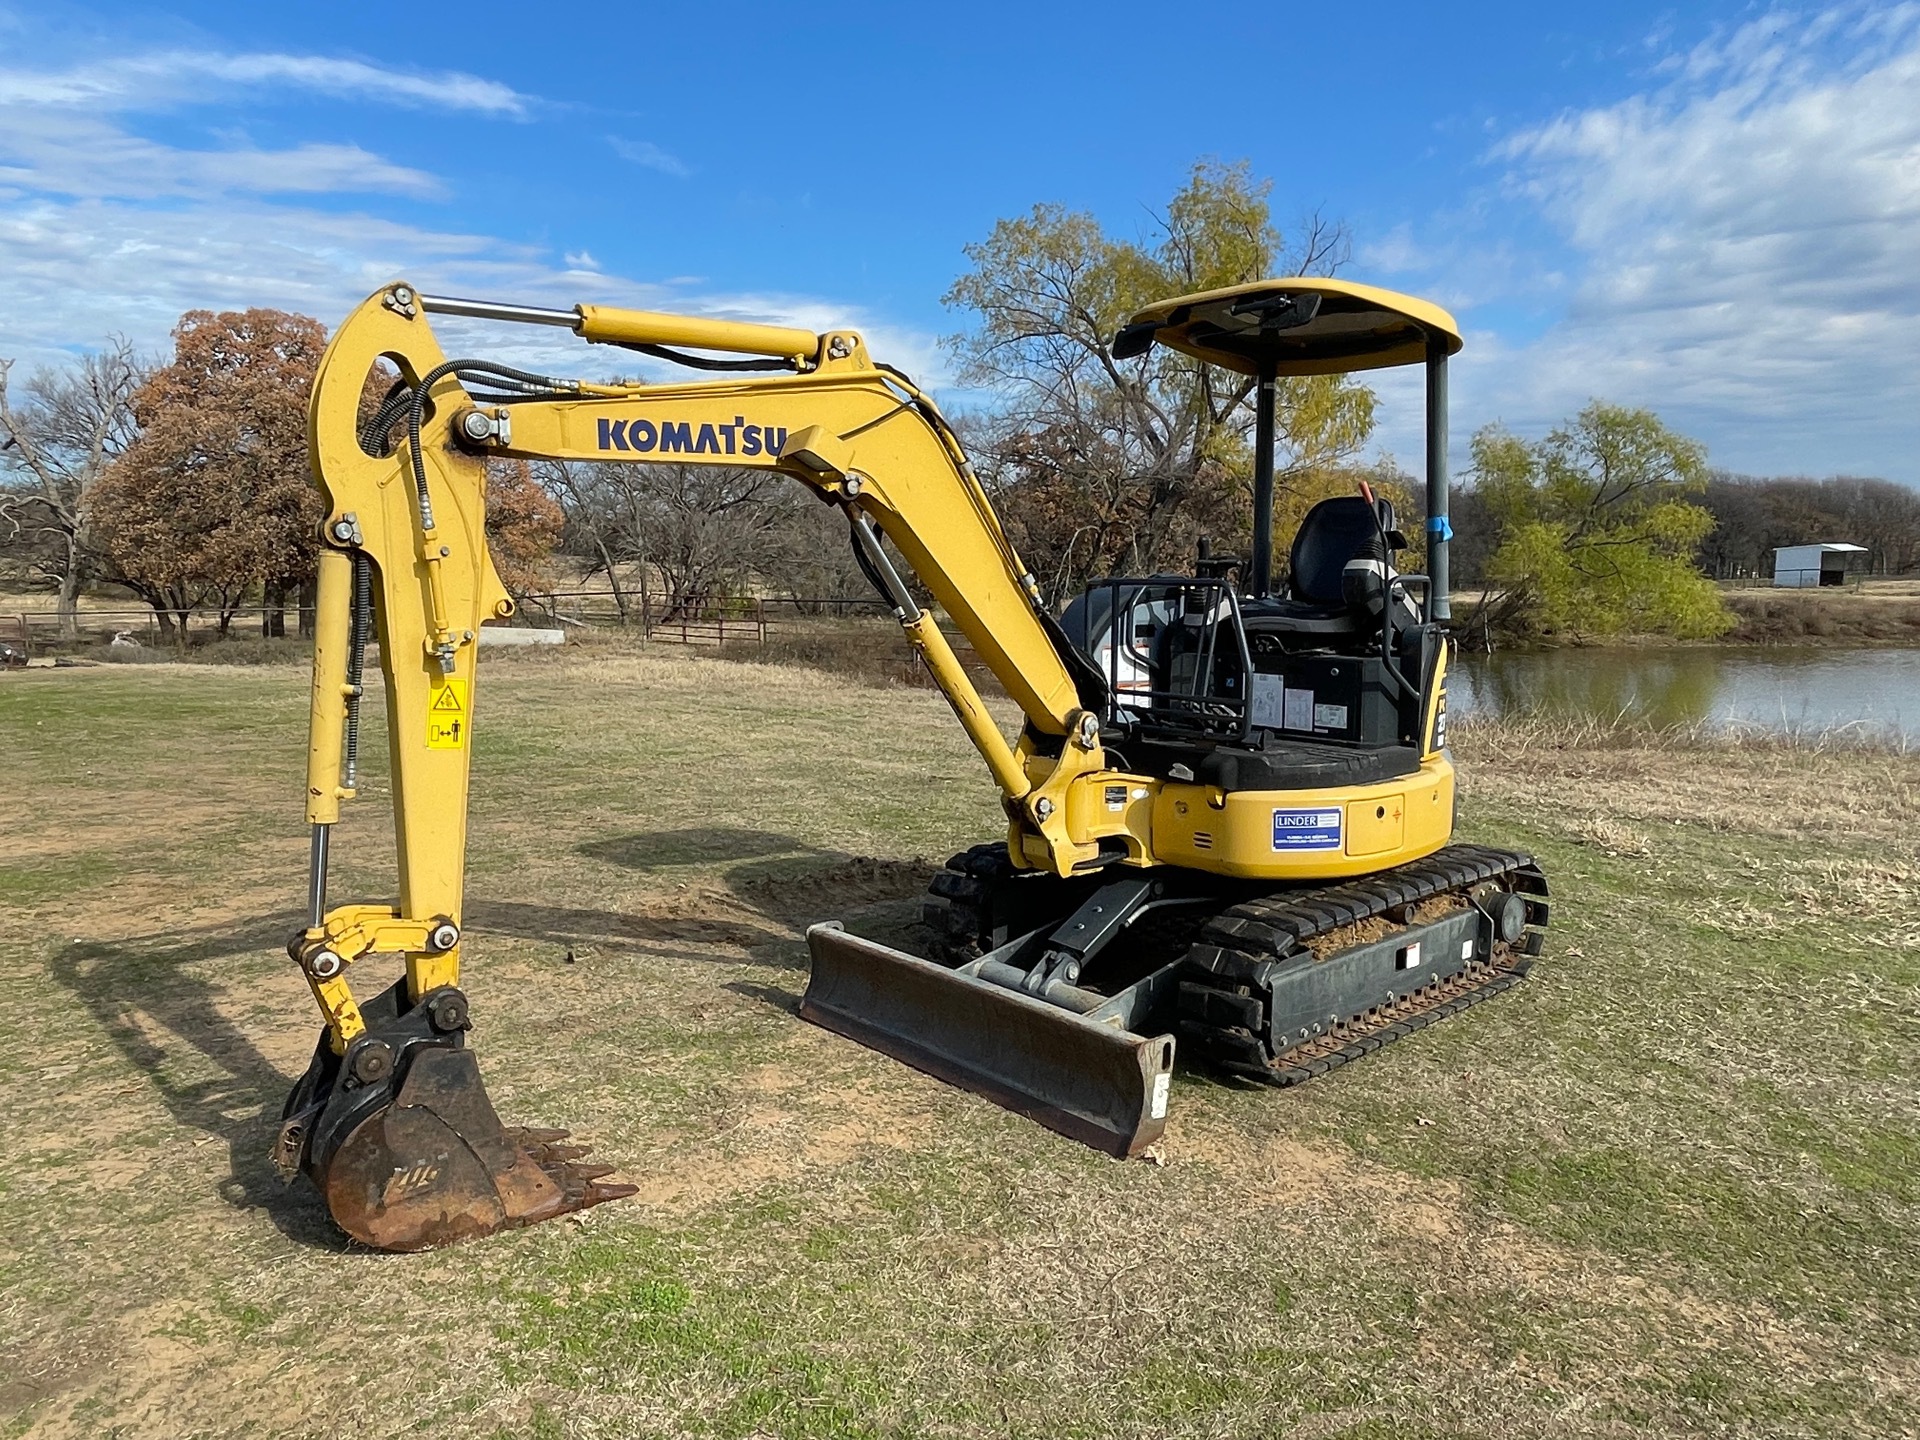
{"x":1304,"y":834}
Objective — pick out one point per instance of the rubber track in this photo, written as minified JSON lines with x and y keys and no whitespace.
{"x":955,"y":908}
{"x":1239,"y":947}
{"x":1236,"y":946}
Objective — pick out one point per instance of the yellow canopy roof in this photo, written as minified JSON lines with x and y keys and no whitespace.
{"x":1302,"y":325}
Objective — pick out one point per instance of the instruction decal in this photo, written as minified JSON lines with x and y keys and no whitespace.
{"x":1317,"y":829}
{"x":1296,"y":709}
{"x":1267,"y":704}
{"x":448,"y":717}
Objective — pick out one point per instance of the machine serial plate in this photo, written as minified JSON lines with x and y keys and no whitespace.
{"x":1307,"y":829}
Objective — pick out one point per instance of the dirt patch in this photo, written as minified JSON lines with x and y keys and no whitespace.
{"x":805,"y":895}
{"x":155,"y":1371}
{"x":794,"y":1125}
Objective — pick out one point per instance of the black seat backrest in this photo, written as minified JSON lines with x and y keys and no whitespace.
{"x":1334,"y":532}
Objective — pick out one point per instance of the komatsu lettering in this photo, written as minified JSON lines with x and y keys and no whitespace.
{"x":682,"y":437}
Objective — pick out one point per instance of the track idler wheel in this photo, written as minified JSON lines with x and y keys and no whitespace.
{"x":401,"y":1140}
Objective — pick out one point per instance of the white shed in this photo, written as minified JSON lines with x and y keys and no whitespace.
{"x":1800,"y":566}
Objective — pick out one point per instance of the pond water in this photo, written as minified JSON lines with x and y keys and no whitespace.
{"x":1799,"y":690}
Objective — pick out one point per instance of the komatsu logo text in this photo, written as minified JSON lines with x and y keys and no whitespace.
{"x":684,"y":437}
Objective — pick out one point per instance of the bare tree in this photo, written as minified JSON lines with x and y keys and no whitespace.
{"x":59,"y":433}
{"x":604,"y":521}
{"x":809,"y":552}
{"x":705,"y":533}
{"x":1102,"y":463}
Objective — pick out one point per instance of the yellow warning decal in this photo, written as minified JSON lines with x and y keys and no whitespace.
{"x":448,"y":718}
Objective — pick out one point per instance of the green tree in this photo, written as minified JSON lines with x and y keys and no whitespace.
{"x":1596,"y":533}
{"x":1103,"y":464}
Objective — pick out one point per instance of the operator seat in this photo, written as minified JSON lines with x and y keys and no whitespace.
{"x":1335,"y":532}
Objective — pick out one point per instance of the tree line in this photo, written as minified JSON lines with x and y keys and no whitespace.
{"x":187,"y":481}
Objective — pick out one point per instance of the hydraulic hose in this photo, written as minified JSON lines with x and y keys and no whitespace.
{"x":416,"y":412}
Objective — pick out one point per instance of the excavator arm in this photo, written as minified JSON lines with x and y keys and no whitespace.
{"x":391,"y":1121}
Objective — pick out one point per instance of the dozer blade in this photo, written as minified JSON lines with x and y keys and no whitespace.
{"x":1091,"y":1081}
{"x":407,"y":1149}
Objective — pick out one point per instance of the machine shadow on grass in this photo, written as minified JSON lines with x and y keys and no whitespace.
{"x":785,"y":881}
{"x":789,"y":883}
{"x":151,"y":984}
{"x":135,"y":987}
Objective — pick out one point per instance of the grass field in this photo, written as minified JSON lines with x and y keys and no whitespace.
{"x":1671,"y":1185}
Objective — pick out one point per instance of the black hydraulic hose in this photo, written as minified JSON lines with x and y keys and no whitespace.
{"x":373,"y":433}
{"x":416,"y":412}
{"x":701,"y":362}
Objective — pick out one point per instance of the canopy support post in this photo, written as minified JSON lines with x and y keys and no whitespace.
{"x":1439,"y":527}
{"x":1262,"y":578}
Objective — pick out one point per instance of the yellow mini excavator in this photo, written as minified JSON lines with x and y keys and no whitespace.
{"x":1229,"y":807}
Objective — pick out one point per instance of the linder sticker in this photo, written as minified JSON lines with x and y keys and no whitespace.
{"x":1307,"y":829}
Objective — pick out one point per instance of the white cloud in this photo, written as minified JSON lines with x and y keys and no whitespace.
{"x":78,"y":271}
{"x":106,"y":231}
{"x":56,"y":137}
{"x":1744,"y":241}
{"x":649,"y":155}
{"x":55,"y":153}
{"x":169,"y":77}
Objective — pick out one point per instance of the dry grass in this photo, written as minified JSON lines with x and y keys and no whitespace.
{"x":1666,"y":1187}
{"x":1834,"y":783}
{"x":1880,"y":613}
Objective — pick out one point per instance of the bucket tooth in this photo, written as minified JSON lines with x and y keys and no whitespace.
{"x":1093,"y":1082}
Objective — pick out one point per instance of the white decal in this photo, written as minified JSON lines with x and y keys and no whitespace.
{"x":1266,"y":700}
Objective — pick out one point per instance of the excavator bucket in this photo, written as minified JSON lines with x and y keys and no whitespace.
{"x":402,"y":1141}
{"x":1087,"y":1078}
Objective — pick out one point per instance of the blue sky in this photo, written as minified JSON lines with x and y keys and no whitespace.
{"x":1712,"y":211}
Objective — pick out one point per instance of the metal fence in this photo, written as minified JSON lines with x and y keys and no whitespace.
{"x":38,"y":631}
{"x":725,"y":621}
{"x":746,"y":621}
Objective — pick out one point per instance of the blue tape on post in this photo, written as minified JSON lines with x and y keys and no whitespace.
{"x":1440,"y":526}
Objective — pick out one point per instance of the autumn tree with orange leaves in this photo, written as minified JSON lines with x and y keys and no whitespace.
{"x":213,"y":500}
{"x":524,"y":523}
